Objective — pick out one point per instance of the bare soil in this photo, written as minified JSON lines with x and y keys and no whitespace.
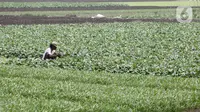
{"x":10,"y":20}
{"x":192,"y":110}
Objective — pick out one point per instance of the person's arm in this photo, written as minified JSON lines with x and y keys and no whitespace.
{"x":51,"y":56}
{"x":53,"y":52}
{"x":56,"y":53}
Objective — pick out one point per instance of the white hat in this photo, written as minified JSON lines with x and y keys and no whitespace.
{"x":54,"y":43}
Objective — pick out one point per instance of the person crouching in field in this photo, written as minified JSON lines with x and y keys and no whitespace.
{"x":51,"y":53}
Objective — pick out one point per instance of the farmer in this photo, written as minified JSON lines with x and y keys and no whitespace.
{"x":51,"y":53}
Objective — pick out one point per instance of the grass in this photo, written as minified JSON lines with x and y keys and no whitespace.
{"x":43,"y":89}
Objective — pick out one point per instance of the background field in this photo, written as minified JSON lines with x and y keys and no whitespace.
{"x":136,"y":10}
{"x":67,"y":4}
{"x":154,"y":13}
{"x":80,"y":0}
{"x":158,"y":10}
{"x":140,"y":13}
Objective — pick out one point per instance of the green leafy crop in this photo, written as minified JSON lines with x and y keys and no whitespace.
{"x":140,"y":48}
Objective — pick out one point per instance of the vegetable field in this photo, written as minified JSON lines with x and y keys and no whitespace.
{"x":139,"y":48}
{"x":37,"y":89}
{"x":115,"y":56}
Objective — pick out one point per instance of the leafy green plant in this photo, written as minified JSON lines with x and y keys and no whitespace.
{"x":140,"y":48}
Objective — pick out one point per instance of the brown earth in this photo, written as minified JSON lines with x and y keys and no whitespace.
{"x":8,"y":20}
{"x":80,"y":0}
{"x":85,"y":8}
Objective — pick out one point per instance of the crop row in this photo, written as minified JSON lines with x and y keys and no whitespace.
{"x":56,"y":4}
{"x":37,"y":89}
{"x":140,"y":48}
